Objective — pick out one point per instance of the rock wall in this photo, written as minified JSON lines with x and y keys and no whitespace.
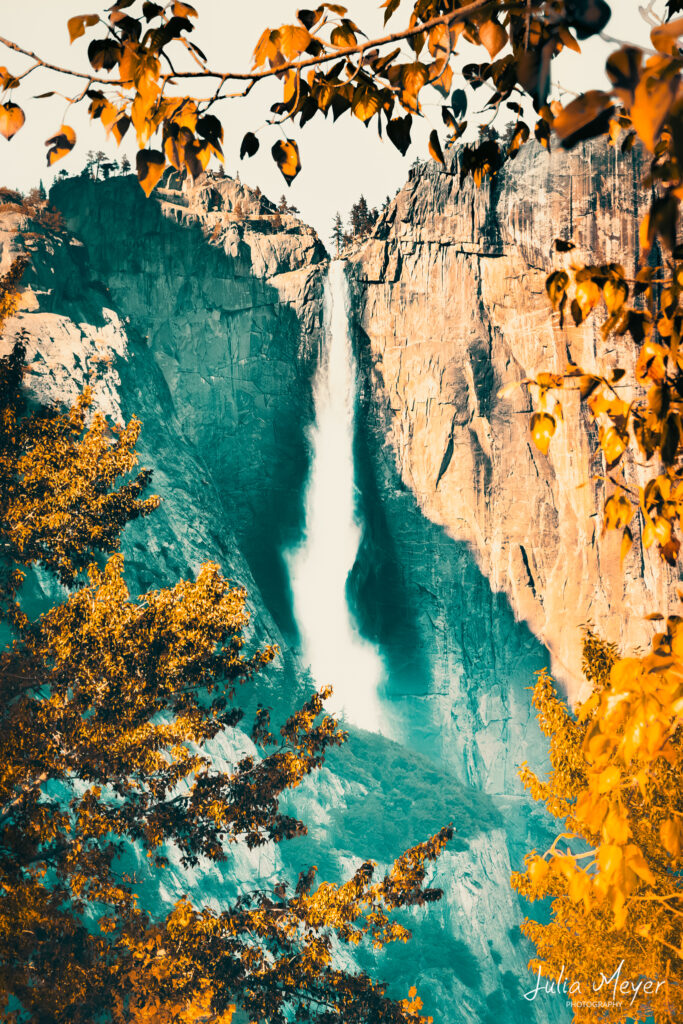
{"x":451,"y":306}
{"x":223,"y":295}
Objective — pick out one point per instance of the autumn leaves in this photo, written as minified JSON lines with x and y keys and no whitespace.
{"x":369,"y":83}
{"x":326,"y":65}
{"x":614,"y":872}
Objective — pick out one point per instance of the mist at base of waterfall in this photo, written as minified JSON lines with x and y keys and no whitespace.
{"x":319,"y":567}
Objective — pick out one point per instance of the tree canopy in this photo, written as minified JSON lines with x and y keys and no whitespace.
{"x":614,"y":871}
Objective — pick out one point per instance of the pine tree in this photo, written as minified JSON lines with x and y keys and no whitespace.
{"x":361,"y":218}
{"x":337,"y":232}
{"x":99,"y":159}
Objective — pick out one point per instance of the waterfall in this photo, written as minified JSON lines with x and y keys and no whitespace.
{"x":319,"y":567}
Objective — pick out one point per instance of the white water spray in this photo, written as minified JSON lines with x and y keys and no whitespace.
{"x":320,"y":566}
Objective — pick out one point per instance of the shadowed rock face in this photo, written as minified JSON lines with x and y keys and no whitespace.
{"x":227,"y":306}
{"x":451,"y":305}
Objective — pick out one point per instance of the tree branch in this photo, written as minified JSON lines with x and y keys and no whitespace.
{"x":461,"y":14}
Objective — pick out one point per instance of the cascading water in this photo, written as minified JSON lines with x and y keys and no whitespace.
{"x":319,"y":567}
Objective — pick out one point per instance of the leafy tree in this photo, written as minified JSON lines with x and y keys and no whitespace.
{"x":10,"y":293}
{"x":338,"y":232}
{"x":125,"y":165}
{"x":106,"y":704}
{"x":35,"y":198}
{"x":614,"y":873}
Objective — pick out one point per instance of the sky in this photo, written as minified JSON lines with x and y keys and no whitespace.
{"x":339,"y":161}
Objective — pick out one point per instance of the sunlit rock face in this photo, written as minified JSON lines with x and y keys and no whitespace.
{"x":450,"y":306}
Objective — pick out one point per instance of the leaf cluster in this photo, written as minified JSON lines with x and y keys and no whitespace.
{"x":327,"y":65}
{"x":614,"y":872}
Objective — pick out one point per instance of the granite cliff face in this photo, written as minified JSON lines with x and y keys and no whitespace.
{"x":451,"y":306}
{"x":223,"y":295}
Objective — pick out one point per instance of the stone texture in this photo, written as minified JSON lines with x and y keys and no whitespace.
{"x":451,"y":306}
{"x":234,"y":331}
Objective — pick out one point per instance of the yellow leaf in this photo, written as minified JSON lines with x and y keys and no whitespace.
{"x":612,"y":443}
{"x":615,"y":293}
{"x":438,"y":42}
{"x":578,"y":117}
{"x":653,"y":98}
{"x":587,"y":296}
{"x":11,"y":119}
{"x":580,"y":888}
{"x":265,"y":48}
{"x":664,"y":37}
{"x":618,"y":512}
{"x":568,"y":39}
{"x":8,"y":80}
{"x":520,"y":136}
{"x":343,"y":36}
{"x":538,"y":870}
{"x":77,"y":25}
{"x":413,"y":77}
{"x":365,"y":103}
{"x":291,"y":40}
{"x":644,"y":236}
{"x":150,"y":166}
{"x":609,"y":779}
{"x":120,"y":127}
{"x":556,"y":286}
{"x":636,"y":861}
{"x":542,"y":428}
{"x":286,"y":156}
{"x":662,"y":530}
{"x":435,"y":147}
{"x":616,"y":827}
{"x":61,"y":143}
{"x":182,"y":10}
{"x":651,"y":363}
{"x":671,"y":834}
{"x":441,"y":77}
{"x":610,"y":858}
{"x":493,"y":36}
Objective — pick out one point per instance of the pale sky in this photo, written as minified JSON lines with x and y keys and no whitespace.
{"x":340,"y":161}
